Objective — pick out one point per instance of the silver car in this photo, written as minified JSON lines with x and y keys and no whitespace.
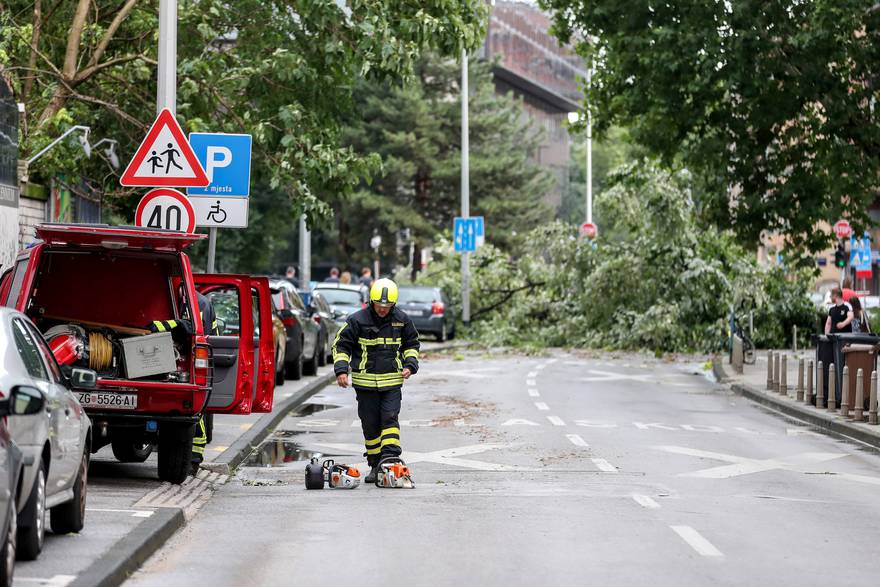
{"x":54,"y":442}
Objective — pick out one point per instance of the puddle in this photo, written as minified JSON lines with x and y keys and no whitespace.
{"x":279,"y":449}
{"x":309,"y":409}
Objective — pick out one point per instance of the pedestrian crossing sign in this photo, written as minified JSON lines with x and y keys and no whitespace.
{"x":164,"y":158}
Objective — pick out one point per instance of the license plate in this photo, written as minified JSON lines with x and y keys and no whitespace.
{"x":110,"y":401}
{"x":416,"y":312}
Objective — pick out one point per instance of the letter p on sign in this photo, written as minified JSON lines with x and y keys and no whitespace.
{"x":226,"y":159}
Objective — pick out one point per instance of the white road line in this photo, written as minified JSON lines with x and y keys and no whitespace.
{"x":556,"y":420}
{"x":604,"y":465}
{"x":551,"y":361}
{"x":577,"y":440}
{"x":534,"y":393}
{"x":530,"y":382}
{"x":54,"y":581}
{"x":540,"y":367}
{"x":134,"y":513}
{"x":696,"y":541}
{"x":645,"y":501}
{"x":542,"y":406}
{"x":532,"y":374}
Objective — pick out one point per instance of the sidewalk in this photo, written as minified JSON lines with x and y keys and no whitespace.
{"x":752,"y":383}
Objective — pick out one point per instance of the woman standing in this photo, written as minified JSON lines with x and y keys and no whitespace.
{"x":860,"y":321}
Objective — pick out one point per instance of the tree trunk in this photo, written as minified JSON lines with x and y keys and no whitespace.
{"x":416,"y":261}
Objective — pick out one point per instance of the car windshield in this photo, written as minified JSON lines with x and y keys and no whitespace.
{"x":417,"y":295}
{"x":344,"y":297}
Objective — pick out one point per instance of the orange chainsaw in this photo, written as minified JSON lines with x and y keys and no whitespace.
{"x":393,"y":473}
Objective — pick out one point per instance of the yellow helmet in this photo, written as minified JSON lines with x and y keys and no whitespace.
{"x":383,"y":291}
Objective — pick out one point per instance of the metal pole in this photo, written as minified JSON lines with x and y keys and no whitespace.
{"x":166,"y":91}
{"x":465,"y":189}
{"x":589,"y":151}
{"x":305,"y":253}
{"x":212,"y":248}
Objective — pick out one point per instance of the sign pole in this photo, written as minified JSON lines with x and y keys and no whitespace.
{"x":166,"y":94}
{"x":305,"y":253}
{"x":589,"y":151}
{"x":465,"y":189}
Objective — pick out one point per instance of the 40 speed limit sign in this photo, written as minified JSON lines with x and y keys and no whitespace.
{"x":165,"y":209}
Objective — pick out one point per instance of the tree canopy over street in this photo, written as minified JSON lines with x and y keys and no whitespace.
{"x":771,"y":103}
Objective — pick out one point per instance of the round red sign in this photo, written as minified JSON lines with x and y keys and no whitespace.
{"x":842,"y":229}
{"x":166,"y":209}
{"x":589,"y":230}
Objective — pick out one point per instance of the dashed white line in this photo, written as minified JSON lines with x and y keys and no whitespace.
{"x":532,"y":374}
{"x":534,"y":392}
{"x":696,"y":541}
{"x":604,"y":465}
{"x":645,"y":501}
{"x":576,"y":440}
{"x":556,"y":420}
{"x":540,"y":367}
{"x":530,"y":382}
{"x":542,"y":406}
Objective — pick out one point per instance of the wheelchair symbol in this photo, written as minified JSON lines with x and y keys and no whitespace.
{"x":217,"y":214}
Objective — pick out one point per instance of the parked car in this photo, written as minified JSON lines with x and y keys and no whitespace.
{"x":96,"y":292}
{"x":327,"y":319}
{"x":55,"y":447}
{"x":303,"y":334}
{"x":19,"y":400}
{"x":344,"y":299}
{"x":429,"y":309}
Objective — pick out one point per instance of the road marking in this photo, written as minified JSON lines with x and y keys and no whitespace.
{"x":318,"y":423}
{"x":608,"y":376}
{"x":355,"y":423}
{"x":696,"y":541}
{"x":540,"y":367}
{"x":576,"y":440}
{"x":54,"y":581}
{"x":519,"y":422}
{"x":134,"y":513}
{"x":542,"y":406}
{"x":534,"y":393}
{"x":531,"y":382}
{"x":604,"y":465}
{"x":447,"y":456}
{"x":458,"y":422}
{"x":246,"y":426}
{"x":549,"y":361}
{"x":745,"y":466}
{"x":645,"y":501}
{"x":218,"y":448}
{"x":532,"y":374}
{"x":556,"y":421}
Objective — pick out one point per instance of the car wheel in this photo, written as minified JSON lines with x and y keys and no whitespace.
{"x":175,"y":452}
{"x":294,"y":369}
{"x":279,"y":371}
{"x":71,"y":516}
{"x":127,"y":450}
{"x":32,"y":526}
{"x":441,"y":336}
{"x":9,"y":545}
{"x":310,"y":367}
{"x":322,"y":353}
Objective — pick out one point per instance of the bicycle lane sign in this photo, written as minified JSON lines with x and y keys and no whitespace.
{"x":223,"y":203}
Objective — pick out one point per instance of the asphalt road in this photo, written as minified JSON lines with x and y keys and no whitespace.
{"x":552,"y":470}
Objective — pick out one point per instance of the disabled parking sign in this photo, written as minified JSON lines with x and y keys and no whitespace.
{"x":226,"y":158}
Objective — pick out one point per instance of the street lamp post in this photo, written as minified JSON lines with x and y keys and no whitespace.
{"x":465,"y":189}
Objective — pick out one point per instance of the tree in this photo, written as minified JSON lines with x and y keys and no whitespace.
{"x":416,"y":130}
{"x":281,"y":70}
{"x":770,"y":101}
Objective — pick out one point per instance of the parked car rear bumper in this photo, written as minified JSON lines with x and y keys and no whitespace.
{"x":432,"y":324}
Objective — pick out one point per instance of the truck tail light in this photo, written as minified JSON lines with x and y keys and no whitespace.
{"x":438,"y":308}
{"x":203,"y":364}
{"x":289,"y":322}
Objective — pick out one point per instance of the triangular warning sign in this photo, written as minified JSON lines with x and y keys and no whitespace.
{"x":164,"y":158}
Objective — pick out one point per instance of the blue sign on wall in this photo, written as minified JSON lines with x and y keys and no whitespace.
{"x":226,"y":159}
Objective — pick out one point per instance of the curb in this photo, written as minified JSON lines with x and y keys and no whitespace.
{"x":242,"y":447}
{"x":131,"y":551}
{"x":819,"y":419}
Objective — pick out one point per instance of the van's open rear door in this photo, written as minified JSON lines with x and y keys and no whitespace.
{"x":234,"y":366}
{"x":264,"y":358}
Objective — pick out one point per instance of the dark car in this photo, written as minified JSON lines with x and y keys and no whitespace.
{"x":343,"y":298}
{"x":303,"y":353}
{"x":327,"y":319}
{"x":429,"y":309}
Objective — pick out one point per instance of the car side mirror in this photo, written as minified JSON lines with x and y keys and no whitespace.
{"x":23,"y":400}
{"x":84,"y":379}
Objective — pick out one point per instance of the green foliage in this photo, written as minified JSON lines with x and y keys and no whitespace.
{"x":773,"y":100}
{"x":416,"y":131}
{"x":656,"y":279}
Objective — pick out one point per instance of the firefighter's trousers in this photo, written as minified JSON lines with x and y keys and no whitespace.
{"x":378,"y":411}
{"x":200,"y":441}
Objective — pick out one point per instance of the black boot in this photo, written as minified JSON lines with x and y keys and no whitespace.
{"x":372,"y":475}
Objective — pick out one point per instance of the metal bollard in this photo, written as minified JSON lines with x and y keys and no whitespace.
{"x":844,"y":393}
{"x":794,"y":339}
{"x":769,"y":370}
{"x":859,"y":404}
{"x":808,"y":393}
{"x":820,"y":387}
{"x":872,"y":402}
{"x":783,"y":376}
{"x":776,"y":372}
{"x":831,"y":403}
{"x":799,"y":390}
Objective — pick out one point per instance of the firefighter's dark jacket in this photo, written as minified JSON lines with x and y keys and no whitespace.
{"x":376,"y":349}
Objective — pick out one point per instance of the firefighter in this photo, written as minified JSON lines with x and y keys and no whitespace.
{"x":200,"y":434}
{"x":379,"y":345}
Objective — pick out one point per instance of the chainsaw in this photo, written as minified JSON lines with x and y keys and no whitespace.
{"x":393,"y":473}
{"x":335,"y":476}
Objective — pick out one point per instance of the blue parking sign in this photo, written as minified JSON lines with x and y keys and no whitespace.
{"x":226,"y":159}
